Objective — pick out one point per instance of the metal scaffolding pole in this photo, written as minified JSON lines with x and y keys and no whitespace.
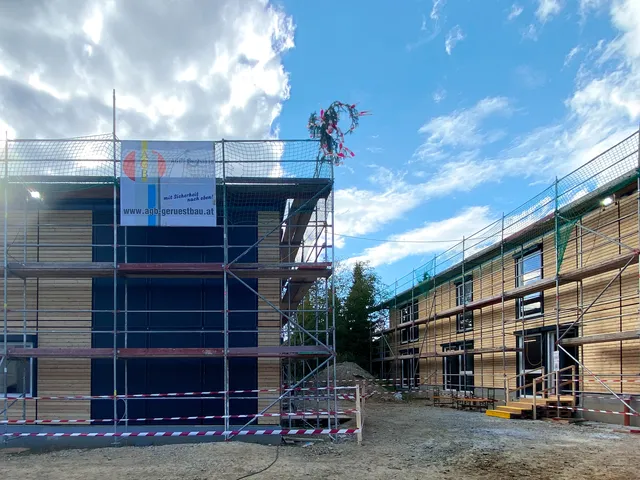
{"x":504,"y":336}
{"x":225,"y":236}
{"x":5,"y":372}
{"x":126,"y":334}
{"x":115,"y":274}
{"x":332,"y":316}
{"x":463,"y":360}
{"x":24,"y":306}
{"x":556,"y":353}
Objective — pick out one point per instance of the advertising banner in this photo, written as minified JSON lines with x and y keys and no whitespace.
{"x":166,"y":184}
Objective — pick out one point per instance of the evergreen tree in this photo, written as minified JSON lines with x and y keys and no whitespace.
{"x":354,"y":328}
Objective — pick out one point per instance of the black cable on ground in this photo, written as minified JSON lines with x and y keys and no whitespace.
{"x":265,"y":468}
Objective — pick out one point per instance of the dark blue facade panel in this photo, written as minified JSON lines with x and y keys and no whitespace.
{"x":173,"y":313}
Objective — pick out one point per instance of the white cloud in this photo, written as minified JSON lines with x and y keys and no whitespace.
{"x":547,"y":9}
{"x":92,"y":27}
{"x":465,"y":223}
{"x":454,"y":36}
{"x":572,"y":53}
{"x":438,"y":5}
{"x":587,"y":5}
{"x":186,"y":71}
{"x":461,"y":128}
{"x":439,"y":95}
{"x":360,"y":211}
{"x":428,"y":33}
{"x":516,"y":11}
{"x":375,"y":149}
{"x":626,"y":17}
{"x":530,"y":32}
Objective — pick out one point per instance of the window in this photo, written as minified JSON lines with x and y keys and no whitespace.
{"x":19,"y":374}
{"x":414,"y":333}
{"x":528,"y":271}
{"x":410,"y":312}
{"x":458,"y":367}
{"x":410,"y":368}
{"x":464,"y":295}
{"x":404,"y":335}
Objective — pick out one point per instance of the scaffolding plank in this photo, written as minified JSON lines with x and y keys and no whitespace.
{"x":614,"y":263}
{"x":304,"y":271}
{"x":61,"y":269}
{"x":601,"y":338}
{"x":284,"y":351}
{"x":471,"y":351}
{"x":475,"y":351}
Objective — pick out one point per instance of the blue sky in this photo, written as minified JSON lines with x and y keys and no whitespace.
{"x":463,"y":119}
{"x":477,"y":104}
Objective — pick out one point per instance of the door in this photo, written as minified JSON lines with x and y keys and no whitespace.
{"x":410,"y":369}
{"x":458,"y":368}
{"x":532,"y":361}
{"x":536,"y":358}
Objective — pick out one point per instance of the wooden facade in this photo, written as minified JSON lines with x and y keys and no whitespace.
{"x":597,"y":298}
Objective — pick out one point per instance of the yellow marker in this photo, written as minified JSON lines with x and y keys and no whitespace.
{"x":144,"y":160}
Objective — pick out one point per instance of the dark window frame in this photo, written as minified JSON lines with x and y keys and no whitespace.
{"x":410,"y":312}
{"x":19,"y":341}
{"x":404,"y":336}
{"x":464,"y":321}
{"x":448,"y":382}
{"x":414,"y":333}
{"x":521,"y":303}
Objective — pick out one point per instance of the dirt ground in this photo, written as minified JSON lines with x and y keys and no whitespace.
{"x":401,"y":441}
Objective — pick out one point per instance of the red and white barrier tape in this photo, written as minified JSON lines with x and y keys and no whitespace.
{"x":158,"y":419}
{"x":182,"y":394}
{"x":212,"y":433}
{"x":607,"y":397}
{"x":593,"y":410}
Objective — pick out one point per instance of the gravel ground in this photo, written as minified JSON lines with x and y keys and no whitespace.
{"x":401,"y":441}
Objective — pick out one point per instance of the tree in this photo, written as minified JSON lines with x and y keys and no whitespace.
{"x":356,"y":291}
{"x":354,"y":327}
{"x":311,"y":311}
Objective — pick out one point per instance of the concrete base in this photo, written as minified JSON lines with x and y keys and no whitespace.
{"x":613,"y":404}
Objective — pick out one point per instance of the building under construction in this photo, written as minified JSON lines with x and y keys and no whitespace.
{"x":538,"y":309}
{"x":160,"y":283}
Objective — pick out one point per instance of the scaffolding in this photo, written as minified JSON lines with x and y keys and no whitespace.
{"x":560,"y":263}
{"x":74,"y":316}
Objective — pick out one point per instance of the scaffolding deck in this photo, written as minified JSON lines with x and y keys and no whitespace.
{"x":451,"y":353}
{"x":284,"y":351}
{"x":601,"y":338}
{"x":302,"y":271}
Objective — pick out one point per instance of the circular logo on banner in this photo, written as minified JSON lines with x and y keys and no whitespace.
{"x":129,"y":165}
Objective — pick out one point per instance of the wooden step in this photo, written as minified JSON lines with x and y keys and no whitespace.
{"x":501,"y":414}
{"x":541,"y":402}
{"x":564,"y":400}
{"x":523,"y":405}
{"x":513,"y":409}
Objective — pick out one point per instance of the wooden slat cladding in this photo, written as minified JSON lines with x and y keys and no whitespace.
{"x":53,"y":235}
{"x":616,"y":310}
{"x":269,"y":320}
